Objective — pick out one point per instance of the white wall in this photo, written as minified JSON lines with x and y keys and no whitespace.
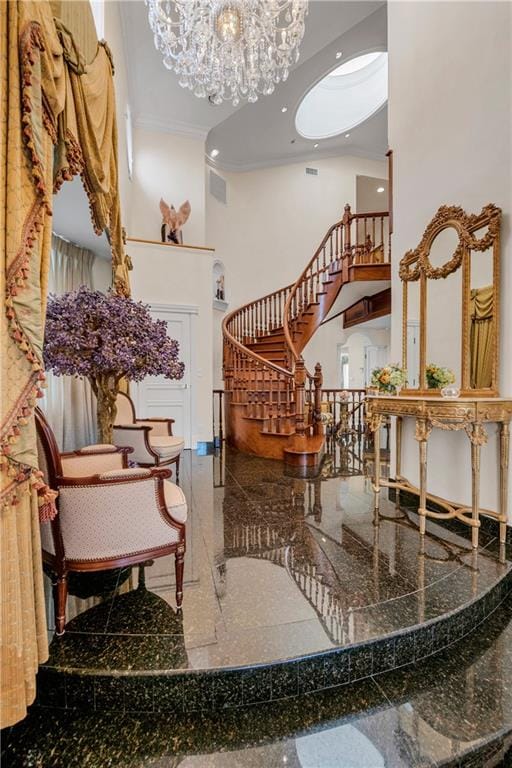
{"x":450,"y":130}
{"x":325,"y":346}
{"x":273,"y":222}
{"x":113,"y":36}
{"x":172,"y":167}
{"x":172,"y":275}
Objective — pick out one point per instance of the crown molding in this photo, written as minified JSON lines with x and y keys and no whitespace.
{"x":294,"y":159}
{"x":177,"y":127}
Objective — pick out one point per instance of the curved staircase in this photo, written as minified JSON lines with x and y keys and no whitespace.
{"x":272,"y":403}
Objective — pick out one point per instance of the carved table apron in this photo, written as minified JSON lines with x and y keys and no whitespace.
{"x":464,"y":413}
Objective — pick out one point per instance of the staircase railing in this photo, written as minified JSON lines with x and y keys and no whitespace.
{"x":358,"y":239}
{"x":275,"y":392}
{"x":267,"y":389}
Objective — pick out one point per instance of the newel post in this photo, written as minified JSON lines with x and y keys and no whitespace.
{"x":300,"y":382}
{"x":317,"y":417}
{"x":347,"y":242}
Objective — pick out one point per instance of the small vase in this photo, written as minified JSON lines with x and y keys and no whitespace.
{"x":450,"y":392}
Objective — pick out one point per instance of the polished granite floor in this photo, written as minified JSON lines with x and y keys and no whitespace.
{"x":454,"y":711}
{"x":279,"y":567}
{"x":276,"y":567}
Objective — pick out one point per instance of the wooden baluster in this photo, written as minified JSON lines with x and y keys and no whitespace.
{"x":323,"y":258}
{"x":318,"y":380}
{"x":279,"y":395}
{"x":347,"y":248}
{"x":299,"y":381}
{"x":330,"y":248}
{"x":271,"y":399}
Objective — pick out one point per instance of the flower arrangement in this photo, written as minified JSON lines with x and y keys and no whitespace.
{"x":390,"y":378}
{"x":439,"y":377}
{"x":107,"y":338}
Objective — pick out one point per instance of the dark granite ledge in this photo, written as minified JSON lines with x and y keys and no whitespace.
{"x":461,"y":699}
{"x":210,"y":690}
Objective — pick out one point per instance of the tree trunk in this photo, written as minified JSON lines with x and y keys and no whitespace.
{"x":106,"y":389}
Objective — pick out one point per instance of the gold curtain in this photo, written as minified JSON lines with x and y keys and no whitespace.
{"x":57,"y":120}
{"x":481,"y":339}
{"x":78,"y":18}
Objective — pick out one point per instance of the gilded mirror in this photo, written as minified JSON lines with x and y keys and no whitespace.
{"x":451,"y":302}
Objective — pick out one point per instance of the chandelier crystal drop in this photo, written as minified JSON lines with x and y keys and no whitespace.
{"x":228,"y":50}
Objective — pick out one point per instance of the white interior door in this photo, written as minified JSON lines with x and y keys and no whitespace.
{"x":160,"y":397}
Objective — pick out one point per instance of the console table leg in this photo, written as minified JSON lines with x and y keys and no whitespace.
{"x":376,"y":481}
{"x":504,"y":457}
{"x":475,"y":491}
{"x":398,"y":457}
{"x":422,"y":509}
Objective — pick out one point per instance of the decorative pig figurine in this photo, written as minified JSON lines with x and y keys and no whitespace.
{"x":173,"y":221}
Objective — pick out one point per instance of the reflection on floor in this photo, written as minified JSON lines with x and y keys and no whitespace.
{"x":277,"y":568}
{"x":456,"y":711}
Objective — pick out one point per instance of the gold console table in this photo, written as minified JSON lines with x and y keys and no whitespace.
{"x":469,"y":414}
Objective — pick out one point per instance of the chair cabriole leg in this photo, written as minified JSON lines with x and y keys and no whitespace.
{"x":60,"y":596}
{"x":180,"y":562}
{"x":178,"y":471}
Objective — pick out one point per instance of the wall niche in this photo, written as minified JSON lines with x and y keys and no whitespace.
{"x":219,"y":286}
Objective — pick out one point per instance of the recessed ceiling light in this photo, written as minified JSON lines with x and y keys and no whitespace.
{"x":347,"y":135}
{"x":315,"y":146}
{"x":380,"y":189}
{"x":214,"y":153}
{"x":339,"y":54}
{"x":284,"y":109}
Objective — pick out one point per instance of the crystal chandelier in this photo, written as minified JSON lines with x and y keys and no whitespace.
{"x":228,"y":50}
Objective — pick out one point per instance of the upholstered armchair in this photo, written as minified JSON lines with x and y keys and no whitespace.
{"x":152,"y":440}
{"x":109,"y":516}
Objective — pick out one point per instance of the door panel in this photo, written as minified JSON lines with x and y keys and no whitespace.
{"x":160,"y":397}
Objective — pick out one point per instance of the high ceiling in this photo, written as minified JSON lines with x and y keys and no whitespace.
{"x":254,"y":135}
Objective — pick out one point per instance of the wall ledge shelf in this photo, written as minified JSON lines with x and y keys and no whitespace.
{"x":220,"y":305}
{"x":170,"y":245}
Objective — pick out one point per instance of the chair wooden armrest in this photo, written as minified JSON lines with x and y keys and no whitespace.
{"x":94,"y":459}
{"x":116,"y":476}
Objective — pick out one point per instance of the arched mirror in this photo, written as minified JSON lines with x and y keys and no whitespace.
{"x":443,"y":311}
{"x":451,"y":304}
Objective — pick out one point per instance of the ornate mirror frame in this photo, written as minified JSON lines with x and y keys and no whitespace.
{"x":416,"y":266}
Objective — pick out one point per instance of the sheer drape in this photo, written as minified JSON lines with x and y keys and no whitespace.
{"x":481,"y":341}
{"x":70,"y":403}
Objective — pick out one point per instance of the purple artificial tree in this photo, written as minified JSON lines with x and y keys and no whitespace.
{"x":107,"y":338}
